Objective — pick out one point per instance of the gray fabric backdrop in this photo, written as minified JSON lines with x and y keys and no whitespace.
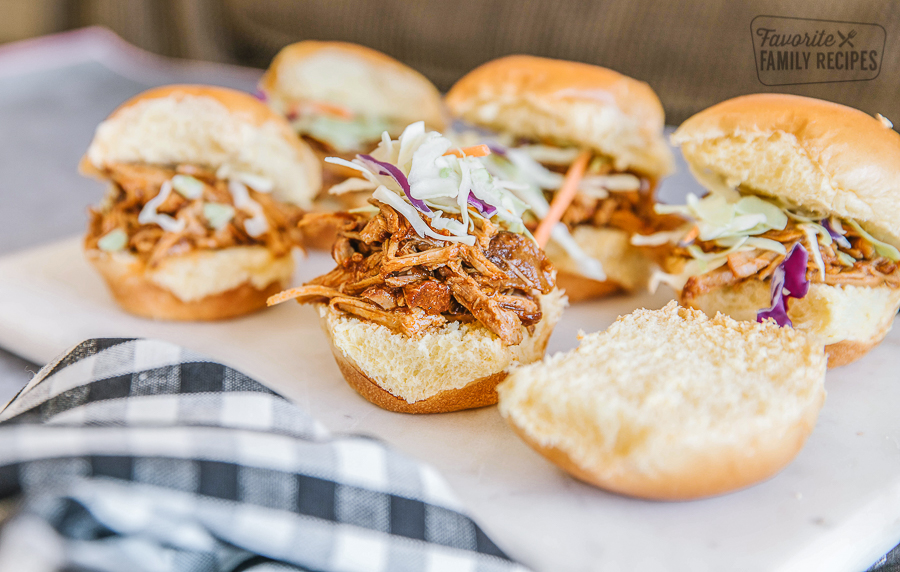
{"x":693,"y":52}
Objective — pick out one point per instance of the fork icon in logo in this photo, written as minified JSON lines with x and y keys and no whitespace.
{"x":846,"y":39}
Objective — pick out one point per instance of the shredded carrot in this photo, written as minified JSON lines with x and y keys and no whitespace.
{"x":332,"y":109}
{"x":564,"y":197}
{"x":323,"y":108}
{"x":284,"y":296}
{"x":690,"y":236}
{"x":473,"y":151}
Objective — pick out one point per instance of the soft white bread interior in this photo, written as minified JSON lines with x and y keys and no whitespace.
{"x":363,"y":80}
{"x":568,"y":103}
{"x":822,"y":156}
{"x":849,"y":320}
{"x":200,"y":285}
{"x":438,"y":371}
{"x":211,"y":127}
{"x":671,"y":404}
{"x":626,"y":266}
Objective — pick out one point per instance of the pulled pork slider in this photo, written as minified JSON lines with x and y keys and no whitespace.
{"x":339,"y":98}
{"x":438,"y":287}
{"x":206,"y":187}
{"x":671,"y":404}
{"x":801,"y":223}
{"x":552,"y":122}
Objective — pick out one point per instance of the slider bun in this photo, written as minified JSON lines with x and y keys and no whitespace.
{"x":455,"y":368}
{"x":361,"y":79}
{"x":849,"y":320}
{"x":826,"y":157}
{"x":670,"y":404}
{"x":626,"y":266}
{"x":568,"y":103}
{"x":210,"y":127}
{"x":198,"y":286}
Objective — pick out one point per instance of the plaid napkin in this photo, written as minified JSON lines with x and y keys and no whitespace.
{"x":140,"y":455}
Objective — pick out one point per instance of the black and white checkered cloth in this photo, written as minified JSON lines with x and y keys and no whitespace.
{"x":139,"y":455}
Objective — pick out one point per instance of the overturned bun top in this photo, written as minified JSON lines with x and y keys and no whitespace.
{"x":363,"y":80}
{"x":671,"y":404}
{"x":567,"y":103}
{"x":825,"y":157}
{"x":211,"y":127}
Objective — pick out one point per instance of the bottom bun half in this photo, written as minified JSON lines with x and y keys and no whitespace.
{"x":457,"y":367}
{"x":690,"y":473}
{"x":626,"y":266}
{"x":201,"y":286}
{"x":848,"y":320}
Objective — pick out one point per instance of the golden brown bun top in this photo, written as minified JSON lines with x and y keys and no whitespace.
{"x":569,"y":103}
{"x":361,"y":79}
{"x":235,"y":101}
{"x":813,"y":153}
{"x":208,"y":126}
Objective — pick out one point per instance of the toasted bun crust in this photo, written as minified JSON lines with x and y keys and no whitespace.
{"x":579,"y":288}
{"x":569,"y":103}
{"x":816,"y":154}
{"x":626,"y":267}
{"x":452,"y":369}
{"x":730,"y":404}
{"x":361,"y":79}
{"x":211,"y":127}
{"x":849,"y":320}
{"x":478,"y":393}
{"x":843,"y":353}
{"x":141,"y":293}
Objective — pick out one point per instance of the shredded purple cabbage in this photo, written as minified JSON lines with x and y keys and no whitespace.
{"x":260,"y":95}
{"x":778,"y":311}
{"x":788,"y":281}
{"x":461,"y":125}
{"x":396,"y":174}
{"x":497,"y":149}
{"x":794,"y":265}
{"x":482,"y":207}
{"x":839,"y":238}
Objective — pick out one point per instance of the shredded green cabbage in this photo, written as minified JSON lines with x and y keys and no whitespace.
{"x":425,"y":182}
{"x":113,"y":241}
{"x":217,"y":215}
{"x":719,"y":218}
{"x":342,"y":134}
{"x":732,"y":222}
{"x":149,"y":215}
{"x":812,"y":239}
{"x":518,"y":170}
{"x":881,"y":248}
{"x":187,"y":186}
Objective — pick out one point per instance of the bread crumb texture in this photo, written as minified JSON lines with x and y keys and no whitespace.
{"x":830,"y":314}
{"x":450,"y":358}
{"x":202,"y":273}
{"x":665,"y":395}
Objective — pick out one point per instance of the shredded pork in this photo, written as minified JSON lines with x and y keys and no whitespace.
{"x":388,"y":274}
{"x":630,"y":211}
{"x":134,"y":185}
{"x":869,"y":269}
